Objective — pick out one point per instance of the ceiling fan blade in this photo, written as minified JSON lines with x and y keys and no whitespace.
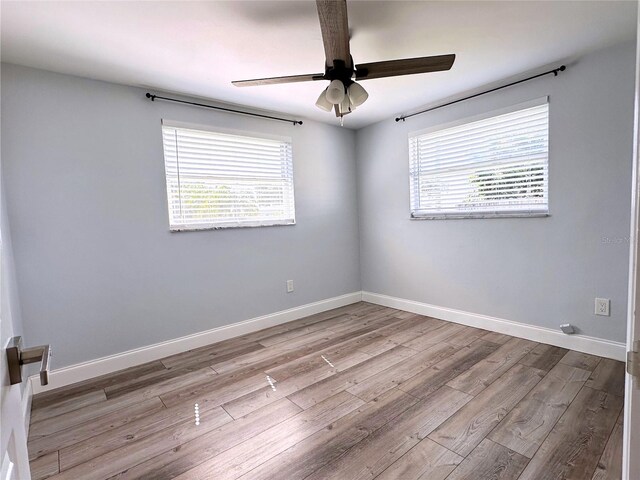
{"x":275,"y":80}
{"x":406,"y":66}
{"x":335,"y":30}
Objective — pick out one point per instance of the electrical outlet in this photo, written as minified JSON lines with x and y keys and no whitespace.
{"x":602,"y":306}
{"x":289,"y":286}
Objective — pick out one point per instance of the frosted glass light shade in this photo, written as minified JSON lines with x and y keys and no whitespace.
{"x":335,"y":92}
{"x":323,"y":103}
{"x":357,"y":94}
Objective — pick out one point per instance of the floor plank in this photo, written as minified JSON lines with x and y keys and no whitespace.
{"x":68,"y":405}
{"x":150,"y":380}
{"x":272,"y":356}
{"x":99,"y":383}
{"x":378,"y":451}
{"x":45,"y":466}
{"x":581,"y":360}
{"x":354,"y":310}
{"x":423,"y":325}
{"x":343,"y":356}
{"x":190,"y":454}
{"x":495,"y":337}
{"x":610,"y":464}
{"x":330,"y":386}
{"x":395,"y":375}
{"x":528,"y":424}
{"x":465,"y":336}
{"x":130,"y":433}
{"x":608,"y":376}
{"x":574,"y":446}
{"x":431,"y":379}
{"x":468,"y":427}
{"x":243,"y":458}
{"x":90,"y":412}
{"x":486,"y":371}
{"x":325,"y":446}
{"x":426,"y":461}
{"x":544,"y":357}
{"x":43,"y":444}
{"x":391,"y":336}
{"x":490,"y":460}
{"x":218,"y":390}
{"x":296,"y":333}
{"x":212,"y":354}
{"x":249,"y":402}
{"x":118,"y":460}
{"x":434,"y":337}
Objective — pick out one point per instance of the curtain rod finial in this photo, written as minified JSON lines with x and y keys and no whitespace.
{"x":561,"y":68}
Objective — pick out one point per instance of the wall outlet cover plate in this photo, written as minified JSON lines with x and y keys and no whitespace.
{"x":602,"y":306}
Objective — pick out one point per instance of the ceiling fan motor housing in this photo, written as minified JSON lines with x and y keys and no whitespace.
{"x":340,"y":71}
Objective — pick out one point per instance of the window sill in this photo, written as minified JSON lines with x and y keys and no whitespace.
{"x":201,"y":228}
{"x":480,"y":215}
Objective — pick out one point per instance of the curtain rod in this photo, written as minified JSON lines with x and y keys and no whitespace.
{"x":154,"y":97}
{"x":555,"y":71}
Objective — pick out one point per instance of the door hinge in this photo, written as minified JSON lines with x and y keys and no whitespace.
{"x":633,"y":361}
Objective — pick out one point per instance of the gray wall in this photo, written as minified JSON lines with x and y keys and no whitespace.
{"x":540,"y":271}
{"x":98,"y":270}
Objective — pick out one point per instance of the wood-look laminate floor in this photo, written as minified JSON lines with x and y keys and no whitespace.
{"x":359,"y":392}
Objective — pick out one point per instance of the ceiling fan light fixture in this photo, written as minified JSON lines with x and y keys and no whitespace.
{"x":343,"y":95}
{"x":357,"y":94}
{"x":335,"y":92}
{"x":322,"y":102}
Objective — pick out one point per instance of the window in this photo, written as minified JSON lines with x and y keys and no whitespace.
{"x":493,"y":167}
{"x":218,"y":180}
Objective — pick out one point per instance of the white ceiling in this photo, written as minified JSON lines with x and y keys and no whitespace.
{"x":197,"y":48}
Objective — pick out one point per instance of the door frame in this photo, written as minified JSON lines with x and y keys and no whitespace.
{"x":631,"y":438}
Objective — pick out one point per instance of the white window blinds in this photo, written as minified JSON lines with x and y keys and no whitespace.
{"x":218,"y":180}
{"x":493,"y":167}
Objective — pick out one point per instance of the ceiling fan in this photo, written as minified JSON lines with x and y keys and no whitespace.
{"x":343,"y":94}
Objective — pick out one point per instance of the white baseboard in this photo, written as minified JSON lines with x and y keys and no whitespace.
{"x":105,"y":365}
{"x":113,"y":363}
{"x":27,"y":396}
{"x":581,"y":343}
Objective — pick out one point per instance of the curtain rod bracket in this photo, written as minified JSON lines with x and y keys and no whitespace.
{"x":555,"y":72}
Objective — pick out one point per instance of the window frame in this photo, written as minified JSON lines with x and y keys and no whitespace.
{"x":235,"y":223}
{"x":476,"y":118}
